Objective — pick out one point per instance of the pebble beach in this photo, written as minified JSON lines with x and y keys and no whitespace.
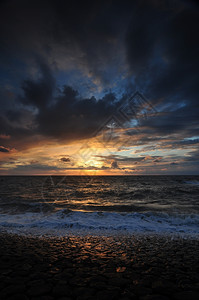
{"x":147,"y":267}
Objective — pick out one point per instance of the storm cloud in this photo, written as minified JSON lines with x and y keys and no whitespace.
{"x":68,"y":67}
{"x":3,"y":149}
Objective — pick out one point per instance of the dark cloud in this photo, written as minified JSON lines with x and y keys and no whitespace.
{"x":45,"y":110}
{"x":114,"y":165}
{"x":65,"y":159}
{"x":69,"y":34}
{"x":143,"y":34}
{"x":164,"y":56}
{"x":33,"y":162}
{"x":192,"y":156}
{"x":65,"y":115}
{"x":158,"y":160}
{"x":189,"y":142}
{"x":121,"y":158}
{"x":52,"y":52}
{"x":157,"y":39}
{"x":4,"y":149}
{"x":34,"y":167}
{"x":39,"y":93}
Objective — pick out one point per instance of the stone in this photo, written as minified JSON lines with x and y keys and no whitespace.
{"x":164,"y":287}
{"x":46,"y":298}
{"x":18,"y":297}
{"x":186,"y":295}
{"x":26,"y":267}
{"x":154,"y":297}
{"x":106,"y":295}
{"x":13,"y":289}
{"x":6,"y":272}
{"x":62,"y":290}
{"x":42,"y":298}
{"x":98,"y":285}
{"x":119,"y":281}
{"x":84,"y":297}
{"x":39,"y":290}
{"x":37,"y":282}
{"x":84,"y":291}
{"x":142,"y":291}
{"x":129,"y":295}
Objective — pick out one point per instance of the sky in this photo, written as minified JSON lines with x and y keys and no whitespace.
{"x":99,"y":87}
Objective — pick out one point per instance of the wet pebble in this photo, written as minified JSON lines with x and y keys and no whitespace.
{"x":18,"y":297}
{"x":39,"y":290}
{"x":62,"y":290}
{"x":79,"y":268}
{"x":154,"y":297}
{"x":107,"y":295}
{"x":186,"y":295}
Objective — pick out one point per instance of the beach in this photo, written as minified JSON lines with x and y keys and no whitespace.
{"x":145,"y":267}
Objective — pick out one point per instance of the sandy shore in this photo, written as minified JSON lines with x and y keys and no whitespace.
{"x":146,"y":268}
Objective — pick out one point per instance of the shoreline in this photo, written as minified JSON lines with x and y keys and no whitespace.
{"x":145,"y":267}
{"x":59,"y":233}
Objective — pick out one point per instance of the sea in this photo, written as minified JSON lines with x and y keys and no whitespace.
{"x":99,"y":205}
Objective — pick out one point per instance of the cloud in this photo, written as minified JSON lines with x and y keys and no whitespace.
{"x":65,"y":159}
{"x":62,"y":113}
{"x":151,"y":35}
{"x":66,"y":71}
{"x":127,"y":159}
{"x":4,"y":149}
{"x":192,"y":156}
{"x":114,"y":165}
{"x":165,"y":49}
{"x":39,"y":93}
{"x":4,"y":137}
{"x":68,"y":37}
{"x":34,"y":162}
{"x":157,"y":160}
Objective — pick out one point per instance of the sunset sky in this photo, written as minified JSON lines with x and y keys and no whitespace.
{"x":99,"y":87}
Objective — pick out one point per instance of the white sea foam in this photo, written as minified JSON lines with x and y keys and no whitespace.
{"x":192,"y":182}
{"x":64,"y":221}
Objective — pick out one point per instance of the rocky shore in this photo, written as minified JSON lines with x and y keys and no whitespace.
{"x":107,"y":268}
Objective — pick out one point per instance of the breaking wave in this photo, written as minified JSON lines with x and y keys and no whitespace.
{"x":65,"y":221}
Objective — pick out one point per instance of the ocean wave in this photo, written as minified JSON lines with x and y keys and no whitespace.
{"x":192,"y":182}
{"x":60,"y":222}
